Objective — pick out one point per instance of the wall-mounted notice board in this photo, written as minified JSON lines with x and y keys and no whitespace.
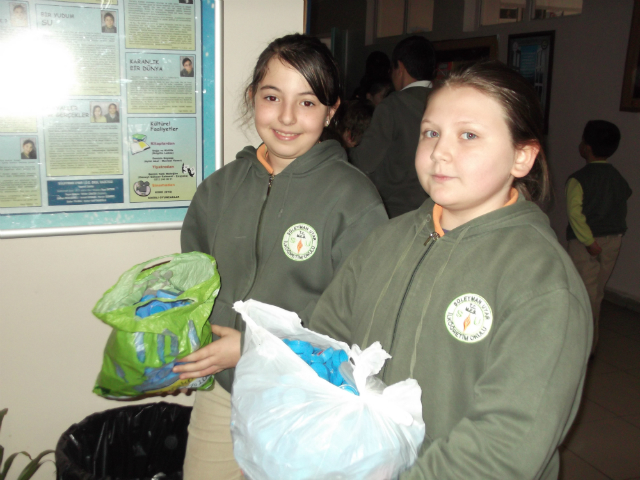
{"x":107,"y":113}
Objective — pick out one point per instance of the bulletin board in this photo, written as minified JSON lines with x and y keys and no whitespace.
{"x":110,"y":118}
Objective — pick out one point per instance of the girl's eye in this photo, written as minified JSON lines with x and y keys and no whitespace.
{"x":469,"y":136}
{"x":271,"y":98}
{"x":431,"y":134}
{"x":307,"y":103}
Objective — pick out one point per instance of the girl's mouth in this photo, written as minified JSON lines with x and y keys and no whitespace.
{"x":285,"y":135}
{"x":441,"y":178}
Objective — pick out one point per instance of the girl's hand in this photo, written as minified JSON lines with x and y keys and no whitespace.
{"x":213,"y":358}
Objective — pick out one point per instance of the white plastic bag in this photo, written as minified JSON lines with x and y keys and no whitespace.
{"x":288,"y":423}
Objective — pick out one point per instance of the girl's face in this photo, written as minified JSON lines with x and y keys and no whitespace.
{"x":466,"y":160}
{"x":289,"y":117}
{"x":97,"y":112}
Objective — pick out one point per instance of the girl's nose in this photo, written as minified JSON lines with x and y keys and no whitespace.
{"x":441,"y":151}
{"x":287,"y":114}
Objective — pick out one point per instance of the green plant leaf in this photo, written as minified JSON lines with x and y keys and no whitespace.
{"x":7,"y":464}
{"x":34,"y":465}
{"x":3,"y":412}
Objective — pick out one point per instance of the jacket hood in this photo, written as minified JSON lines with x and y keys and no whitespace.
{"x":329,"y":150}
{"x":520,"y":213}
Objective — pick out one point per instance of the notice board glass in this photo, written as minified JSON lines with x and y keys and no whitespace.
{"x":107,"y":113}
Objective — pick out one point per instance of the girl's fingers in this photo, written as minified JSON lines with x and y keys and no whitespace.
{"x":195,"y":365}
{"x":201,"y":373}
{"x":204,"y":352}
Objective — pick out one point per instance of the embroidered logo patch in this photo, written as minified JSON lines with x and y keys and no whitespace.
{"x":300,"y":242}
{"x":469,"y":318}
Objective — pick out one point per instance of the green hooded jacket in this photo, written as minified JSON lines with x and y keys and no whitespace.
{"x":285,"y":247}
{"x":493,"y":322}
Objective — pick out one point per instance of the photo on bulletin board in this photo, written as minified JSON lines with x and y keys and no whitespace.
{"x":531,"y":54}
{"x":105,"y":131}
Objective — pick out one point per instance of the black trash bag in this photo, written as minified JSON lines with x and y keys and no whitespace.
{"x":137,"y":442}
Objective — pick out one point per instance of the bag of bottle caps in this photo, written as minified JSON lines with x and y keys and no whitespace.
{"x":159,"y":311}
{"x":292,"y":419}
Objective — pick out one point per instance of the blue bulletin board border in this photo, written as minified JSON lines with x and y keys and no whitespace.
{"x":112,"y":221}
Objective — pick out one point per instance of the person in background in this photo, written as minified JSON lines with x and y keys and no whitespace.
{"x":378,"y":91}
{"x":355,"y":122}
{"x":388,"y":148}
{"x":279,"y":220}
{"x":187,"y":68}
{"x":377,"y":69}
{"x":109,"y":26}
{"x":597,"y":197}
{"x":113,"y":116}
{"x":97,"y":116}
{"x":471,"y":294}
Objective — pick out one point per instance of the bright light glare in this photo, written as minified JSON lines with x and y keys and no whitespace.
{"x":37,"y":75}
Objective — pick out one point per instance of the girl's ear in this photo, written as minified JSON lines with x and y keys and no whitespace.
{"x":524,"y":159}
{"x":333,"y":110}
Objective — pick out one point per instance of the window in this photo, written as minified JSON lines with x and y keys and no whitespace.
{"x":504,"y":11}
{"x":397,"y":17}
{"x":556,"y":8}
{"x":500,"y":11}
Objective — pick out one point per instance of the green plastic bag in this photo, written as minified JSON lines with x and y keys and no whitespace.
{"x":141,"y":352}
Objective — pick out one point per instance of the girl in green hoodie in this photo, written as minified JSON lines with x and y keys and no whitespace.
{"x":279,"y":220}
{"x":471,"y":294}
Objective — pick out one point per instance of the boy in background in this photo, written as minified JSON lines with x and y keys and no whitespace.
{"x":597,"y":208}
{"x":356,"y":120}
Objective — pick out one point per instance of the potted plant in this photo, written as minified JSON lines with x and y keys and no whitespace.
{"x":31,"y":468}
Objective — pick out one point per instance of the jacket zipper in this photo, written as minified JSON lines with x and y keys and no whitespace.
{"x":429,"y":242}
{"x":271,"y":177}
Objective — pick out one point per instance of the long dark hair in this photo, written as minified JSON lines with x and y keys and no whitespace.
{"x":307,"y":55}
{"x":523,"y":113}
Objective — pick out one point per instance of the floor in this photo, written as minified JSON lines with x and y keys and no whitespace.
{"x":604,"y":442}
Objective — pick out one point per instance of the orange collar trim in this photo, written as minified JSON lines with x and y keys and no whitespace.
{"x":263,"y":157}
{"x":437,"y":211}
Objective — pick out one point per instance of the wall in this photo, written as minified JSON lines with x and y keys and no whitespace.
{"x":50,"y":343}
{"x":249,"y":27}
{"x":589,"y":57}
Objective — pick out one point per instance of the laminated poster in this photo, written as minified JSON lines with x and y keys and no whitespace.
{"x":101,"y":110}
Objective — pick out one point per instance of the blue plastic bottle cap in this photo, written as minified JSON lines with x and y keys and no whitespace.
{"x":336,"y":378}
{"x":293,"y":396}
{"x":143,"y":311}
{"x":147,"y":297}
{"x":321,"y":370}
{"x":349,"y":388}
{"x":315,"y":358}
{"x":157,"y":307}
{"x":300,"y":346}
{"x":338,"y":357}
{"x":327,"y":354}
{"x":306,"y":357}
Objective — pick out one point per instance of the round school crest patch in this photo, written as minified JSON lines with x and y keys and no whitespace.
{"x":469,"y":318}
{"x":300,"y":242}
